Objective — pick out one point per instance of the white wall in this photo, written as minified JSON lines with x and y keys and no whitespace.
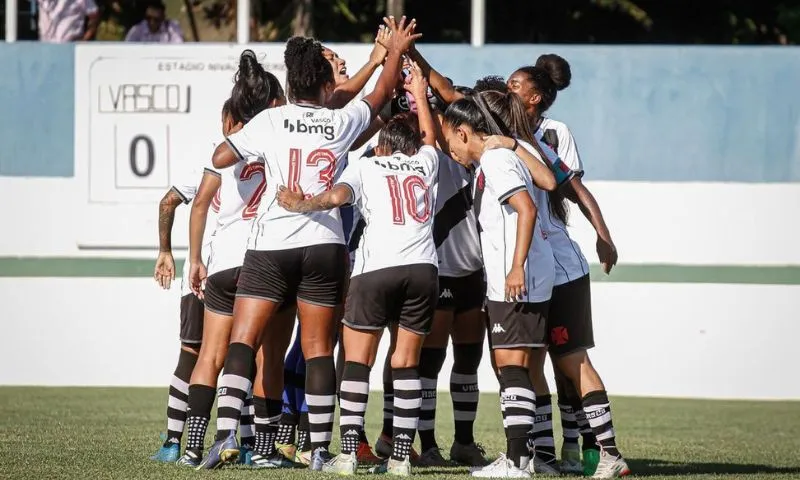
{"x":716,"y":341}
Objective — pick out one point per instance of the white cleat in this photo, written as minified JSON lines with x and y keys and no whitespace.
{"x":501,"y":468}
{"x":611,"y":467}
{"x":342,"y":464}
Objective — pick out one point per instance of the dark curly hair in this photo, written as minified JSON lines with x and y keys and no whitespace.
{"x":253,"y":90}
{"x":491,"y":83}
{"x":307,"y":71}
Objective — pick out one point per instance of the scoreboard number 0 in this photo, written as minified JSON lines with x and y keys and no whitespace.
{"x":142,"y":141}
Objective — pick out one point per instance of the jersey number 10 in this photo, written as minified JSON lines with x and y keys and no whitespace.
{"x":410,"y":184}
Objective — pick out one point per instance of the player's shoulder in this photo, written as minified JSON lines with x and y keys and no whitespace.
{"x":561,"y":128}
{"x":497,"y":157}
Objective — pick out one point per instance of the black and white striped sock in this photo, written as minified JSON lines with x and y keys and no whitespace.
{"x":179,"y":396}
{"x":235,"y":384}
{"x":588,"y":440}
{"x":569,"y":425}
{"x":247,"y":430}
{"x":464,"y":389}
{"x":321,"y":400}
{"x":354,"y":392}
{"x":407,"y":403}
{"x":544,"y":443}
{"x":201,"y":400}
{"x":598,"y":414}
{"x":430,"y":364}
{"x":520,"y":409}
{"x":267,"y":416}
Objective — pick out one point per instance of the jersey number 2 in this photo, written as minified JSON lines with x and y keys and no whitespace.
{"x":410,"y":184}
{"x":248,"y":172}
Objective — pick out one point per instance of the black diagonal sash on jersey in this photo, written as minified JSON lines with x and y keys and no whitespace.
{"x":451,"y":214}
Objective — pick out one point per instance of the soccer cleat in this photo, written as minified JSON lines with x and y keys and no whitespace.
{"x":275,"y":460}
{"x":303,"y":458}
{"x":432,"y":457}
{"x":365,"y":456}
{"x":570,"y":459}
{"x":383,"y":447}
{"x":611,"y":467}
{"x":472,"y":455}
{"x":342,"y":464}
{"x":246,"y":455}
{"x":189,"y":459}
{"x":288,"y":450}
{"x":591,"y":457}
{"x":400,"y":468}
{"x":500,"y":468}
{"x":169,"y":451}
{"x":540,"y":467}
{"x":320,"y":457}
{"x":222,"y":452}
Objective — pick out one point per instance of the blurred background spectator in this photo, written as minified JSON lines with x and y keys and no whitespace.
{"x":155,"y":27}
{"x":67,"y":20}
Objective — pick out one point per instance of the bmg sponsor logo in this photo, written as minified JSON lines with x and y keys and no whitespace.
{"x":298,"y":126}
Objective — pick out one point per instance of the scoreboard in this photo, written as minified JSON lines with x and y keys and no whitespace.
{"x":147,"y":118}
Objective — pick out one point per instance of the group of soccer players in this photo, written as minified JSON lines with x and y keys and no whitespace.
{"x":452,"y":223}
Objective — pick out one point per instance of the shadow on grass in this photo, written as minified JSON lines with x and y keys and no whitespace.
{"x":646,"y":467}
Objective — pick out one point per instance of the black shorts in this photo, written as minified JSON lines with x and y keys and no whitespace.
{"x":314,"y":274}
{"x":513,"y":325}
{"x":220,"y":292}
{"x":569,"y":323}
{"x":191,"y":319}
{"x":461,"y":294}
{"x":405,"y":294}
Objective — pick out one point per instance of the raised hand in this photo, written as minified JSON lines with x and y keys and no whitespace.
{"x":403,"y":36}
{"x":382,"y":44}
{"x":416,"y":84}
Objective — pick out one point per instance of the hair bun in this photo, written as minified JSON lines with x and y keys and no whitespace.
{"x":557,"y":68}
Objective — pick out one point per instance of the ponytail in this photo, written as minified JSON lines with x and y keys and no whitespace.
{"x":253,"y":90}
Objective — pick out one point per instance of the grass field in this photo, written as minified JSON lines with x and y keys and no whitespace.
{"x":94,"y":433}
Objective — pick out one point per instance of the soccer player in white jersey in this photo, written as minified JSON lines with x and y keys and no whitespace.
{"x":537,"y":87}
{"x":191,"y":314}
{"x":296,"y":255}
{"x":569,"y":322}
{"x":395,"y":277}
{"x":519,"y":271}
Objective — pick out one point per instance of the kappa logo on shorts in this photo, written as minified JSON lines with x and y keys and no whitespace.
{"x":446,"y":293}
{"x":559,"y":336}
{"x":497,"y":328}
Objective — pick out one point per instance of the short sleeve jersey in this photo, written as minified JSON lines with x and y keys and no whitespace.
{"x":237,"y":199}
{"x":567,"y":149}
{"x":303,"y":146}
{"x":396,"y":196}
{"x":500,"y":176}
{"x":570,"y":264}
{"x":455,"y":228}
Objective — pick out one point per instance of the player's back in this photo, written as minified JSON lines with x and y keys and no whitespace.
{"x":396,"y":195}
{"x":301,"y":145}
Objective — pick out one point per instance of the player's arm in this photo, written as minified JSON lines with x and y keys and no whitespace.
{"x":418,"y":87}
{"x":349,"y":89}
{"x":295,"y":201}
{"x":197,"y":226}
{"x":241,"y":145}
{"x":402,"y":38}
{"x":523,"y":204}
{"x":577,"y":193}
{"x":374,"y":127}
{"x":165,"y":264}
{"x":541,"y":174}
{"x":439,"y":84}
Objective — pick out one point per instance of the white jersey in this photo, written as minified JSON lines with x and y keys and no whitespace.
{"x":455,"y":228}
{"x":501,"y":175}
{"x":566,"y":147}
{"x":187,"y":190}
{"x":238,"y":198}
{"x":396,"y":196}
{"x":570,"y":263}
{"x":305,"y":146}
